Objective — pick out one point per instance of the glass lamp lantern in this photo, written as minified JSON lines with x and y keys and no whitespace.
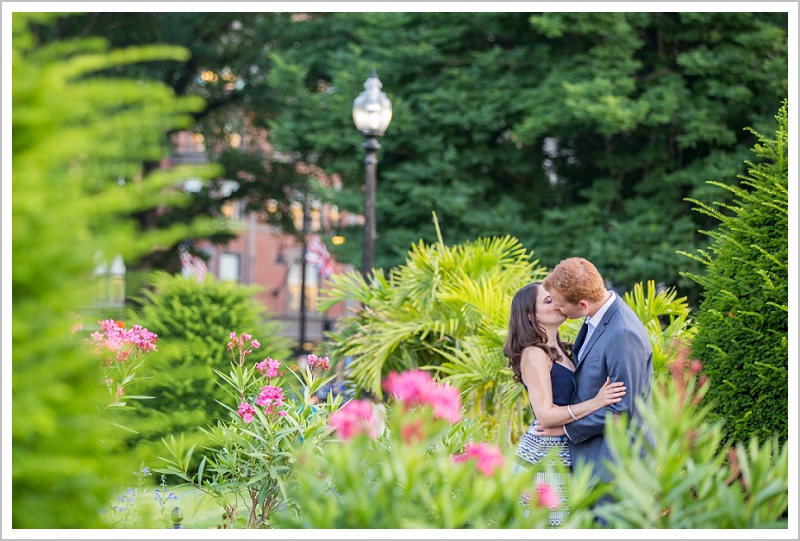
{"x":372,"y":110}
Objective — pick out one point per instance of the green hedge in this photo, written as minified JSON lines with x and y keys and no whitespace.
{"x":742,"y":323}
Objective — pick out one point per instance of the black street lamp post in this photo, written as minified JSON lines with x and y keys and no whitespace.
{"x":372,"y":113}
{"x":303,"y":263}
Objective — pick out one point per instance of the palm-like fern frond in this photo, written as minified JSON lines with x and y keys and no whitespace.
{"x":441,"y":295}
{"x":666,"y":318}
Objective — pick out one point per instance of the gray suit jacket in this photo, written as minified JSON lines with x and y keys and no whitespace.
{"x":619,"y":348}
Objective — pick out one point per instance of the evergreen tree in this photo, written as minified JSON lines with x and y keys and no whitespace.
{"x":742,"y":326}
{"x":78,"y":143}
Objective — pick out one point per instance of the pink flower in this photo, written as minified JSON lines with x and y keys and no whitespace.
{"x":316,"y":362}
{"x":246,"y":411}
{"x":144,"y":339}
{"x":269,"y":367}
{"x":410,"y":387}
{"x":255,"y":343}
{"x":488,"y":457}
{"x":416,"y":387}
{"x":446,"y":402}
{"x":354,"y":418}
{"x":121,"y":341}
{"x":547,"y":496}
{"x":271,"y":398}
{"x":113,"y":344}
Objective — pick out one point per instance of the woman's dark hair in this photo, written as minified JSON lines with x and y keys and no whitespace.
{"x":524,"y":330}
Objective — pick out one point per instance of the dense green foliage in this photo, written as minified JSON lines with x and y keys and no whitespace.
{"x":78,"y":143}
{"x":688,"y":480}
{"x":743,"y":322}
{"x":193,"y":321}
{"x":407,"y":478}
{"x":578,"y":133}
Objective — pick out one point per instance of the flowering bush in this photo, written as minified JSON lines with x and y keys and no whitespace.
{"x":411,"y":467}
{"x":270,"y":417}
{"x":122,"y":352}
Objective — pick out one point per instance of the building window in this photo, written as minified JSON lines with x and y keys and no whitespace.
{"x":230,"y":267}
{"x":232,"y":209}
{"x":293,"y":284}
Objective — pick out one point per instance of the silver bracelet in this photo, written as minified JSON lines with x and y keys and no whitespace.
{"x":570,"y":413}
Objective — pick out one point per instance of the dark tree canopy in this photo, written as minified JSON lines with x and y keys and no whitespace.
{"x":578,"y":133}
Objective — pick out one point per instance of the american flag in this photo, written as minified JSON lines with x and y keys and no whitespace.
{"x":192,"y":265}
{"x":317,"y":255}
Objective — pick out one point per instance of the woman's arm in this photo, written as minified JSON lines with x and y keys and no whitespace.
{"x":535,"y":367}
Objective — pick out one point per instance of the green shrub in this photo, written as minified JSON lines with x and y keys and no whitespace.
{"x":742,"y":324}
{"x":76,"y":135}
{"x":193,"y":321}
{"x":406,"y":477}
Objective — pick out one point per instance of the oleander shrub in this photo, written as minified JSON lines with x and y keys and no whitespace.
{"x":268,"y":416}
{"x":742,"y":324}
{"x":193,"y":320}
{"x":693,"y":477}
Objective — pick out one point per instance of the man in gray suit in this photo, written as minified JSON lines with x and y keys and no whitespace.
{"x":611,"y":343}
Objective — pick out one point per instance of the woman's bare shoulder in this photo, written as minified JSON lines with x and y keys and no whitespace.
{"x":536,"y":356}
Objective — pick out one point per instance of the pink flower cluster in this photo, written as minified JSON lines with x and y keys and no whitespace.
{"x":240,"y":344}
{"x":269,"y":368}
{"x":246,"y":411}
{"x":488,"y":457}
{"x":319,"y":363}
{"x":545,"y":495}
{"x":416,"y":387}
{"x":271,"y":397}
{"x":356,"y":417}
{"x":123,"y":342}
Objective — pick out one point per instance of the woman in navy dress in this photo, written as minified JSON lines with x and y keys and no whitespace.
{"x":543,"y":364}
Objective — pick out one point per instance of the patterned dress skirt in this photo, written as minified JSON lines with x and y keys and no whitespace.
{"x":533,"y":449}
